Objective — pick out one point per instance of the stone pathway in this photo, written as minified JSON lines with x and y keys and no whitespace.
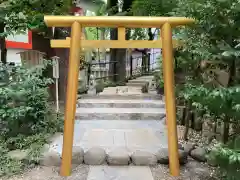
{"x":132,"y":122}
{"x":111,"y":134}
{"x":120,"y":118}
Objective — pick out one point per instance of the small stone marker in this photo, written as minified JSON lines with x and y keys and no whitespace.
{"x":92,"y":85}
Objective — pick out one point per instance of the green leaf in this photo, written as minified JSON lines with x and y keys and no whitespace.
{"x":233,"y":159}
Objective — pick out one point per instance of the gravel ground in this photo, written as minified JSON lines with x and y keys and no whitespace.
{"x":51,"y":173}
{"x":191,"y":171}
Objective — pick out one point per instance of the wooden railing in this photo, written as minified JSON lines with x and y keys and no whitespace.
{"x":77,"y":44}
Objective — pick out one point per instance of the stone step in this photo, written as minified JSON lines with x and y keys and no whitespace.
{"x":139,"y":81}
{"x":128,"y":93}
{"x":122,"y":88}
{"x":145,"y":77}
{"x":120,"y":113}
{"x":136,"y":84}
{"x":122,"y":91}
{"x":124,"y":97}
{"x":120,"y":103}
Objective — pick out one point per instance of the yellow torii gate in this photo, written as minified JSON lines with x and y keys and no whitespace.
{"x":76,"y":43}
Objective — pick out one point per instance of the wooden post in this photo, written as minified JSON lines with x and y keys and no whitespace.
{"x":168,"y":72}
{"x":131,"y":66}
{"x":70,"y":108}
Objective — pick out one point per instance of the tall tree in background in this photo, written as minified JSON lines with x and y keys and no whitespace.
{"x":113,"y":6}
{"x":119,"y":55}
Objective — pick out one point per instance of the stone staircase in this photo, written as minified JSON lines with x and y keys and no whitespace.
{"x":120,"y":117}
{"x":120,"y":109}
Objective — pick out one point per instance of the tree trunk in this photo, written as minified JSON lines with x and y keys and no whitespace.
{"x":187,"y":117}
{"x":182,"y":120}
{"x":103,"y":50}
{"x":150,"y":34}
{"x":192,"y":117}
{"x":119,"y":55}
{"x":225,"y":134}
{"x":3,"y":45}
{"x":113,"y":55}
{"x":113,"y":36}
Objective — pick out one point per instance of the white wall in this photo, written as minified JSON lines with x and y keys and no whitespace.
{"x":12,"y":55}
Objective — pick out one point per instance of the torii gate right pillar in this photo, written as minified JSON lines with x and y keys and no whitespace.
{"x":167,"y":53}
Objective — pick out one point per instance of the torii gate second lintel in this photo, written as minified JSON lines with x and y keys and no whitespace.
{"x":76,"y":45}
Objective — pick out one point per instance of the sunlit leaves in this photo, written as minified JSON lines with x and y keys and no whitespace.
{"x":19,"y":15}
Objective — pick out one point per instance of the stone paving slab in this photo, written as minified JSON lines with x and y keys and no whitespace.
{"x":119,"y":173}
{"x":109,"y":134}
{"x":131,"y":140}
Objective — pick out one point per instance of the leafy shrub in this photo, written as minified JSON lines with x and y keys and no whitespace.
{"x":24,"y":103}
{"x":220,"y":104}
{"x":26,"y":118}
{"x":228,"y":159}
{"x":99,"y":85}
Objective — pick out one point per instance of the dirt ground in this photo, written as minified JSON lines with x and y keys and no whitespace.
{"x":191,"y":171}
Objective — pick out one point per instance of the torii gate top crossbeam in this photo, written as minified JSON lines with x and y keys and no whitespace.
{"x":115,"y":21}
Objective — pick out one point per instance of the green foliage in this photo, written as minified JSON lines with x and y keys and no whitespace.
{"x":8,"y":166}
{"x":26,"y":119}
{"x":153,"y":7}
{"x":219,"y":104}
{"x":211,"y":37}
{"x":23,"y":103}
{"x":222,"y":103}
{"x":99,"y":85}
{"x":19,"y":15}
{"x":228,"y":160}
{"x":158,"y":76}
